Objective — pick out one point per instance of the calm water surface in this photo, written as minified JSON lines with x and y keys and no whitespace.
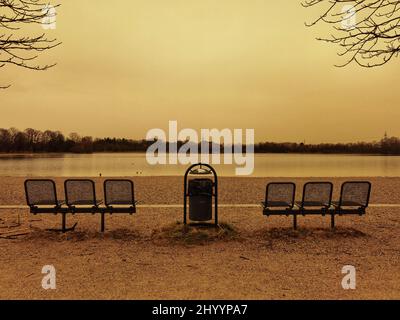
{"x":135,"y":164}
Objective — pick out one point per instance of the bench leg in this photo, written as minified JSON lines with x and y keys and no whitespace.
{"x":102,"y":222}
{"x":333,"y":221}
{"x":63,"y":223}
{"x":295,"y":221}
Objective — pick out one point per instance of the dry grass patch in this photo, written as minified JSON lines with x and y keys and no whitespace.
{"x":308,"y":233}
{"x":74,"y":236}
{"x":194,"y":234}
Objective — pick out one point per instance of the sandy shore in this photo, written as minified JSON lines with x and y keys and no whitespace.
{"x":169,"y":190}
{"x":148,"y":256}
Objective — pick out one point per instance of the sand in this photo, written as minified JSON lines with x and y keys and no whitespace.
{"x":148,"y":256}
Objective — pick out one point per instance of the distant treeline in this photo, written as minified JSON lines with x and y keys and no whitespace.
{"x":31,"y":140}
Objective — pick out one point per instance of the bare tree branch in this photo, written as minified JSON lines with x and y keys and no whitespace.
{"x":373,"y":39}
{"x":20,"y":50}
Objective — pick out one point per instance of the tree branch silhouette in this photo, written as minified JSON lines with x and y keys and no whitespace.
{"x":18,"y":50}
{"x":373,"y":40}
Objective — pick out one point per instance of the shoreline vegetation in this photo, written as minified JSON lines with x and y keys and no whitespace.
{"x":31,"y":140}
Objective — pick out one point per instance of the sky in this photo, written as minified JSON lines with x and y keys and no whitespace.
{"x":128,"y":66}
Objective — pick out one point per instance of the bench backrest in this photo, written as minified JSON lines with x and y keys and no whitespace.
{"x":355,"y":193}
{"x":280,"y":194}
{"x":118,"y":192}
{"x":316,"y":193}
{"x":80,"y":192}
{"x":40,"y":192}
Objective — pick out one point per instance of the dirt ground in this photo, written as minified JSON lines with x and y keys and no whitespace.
{"x":152,"y":256}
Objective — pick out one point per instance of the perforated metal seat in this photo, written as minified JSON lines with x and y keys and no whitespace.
{"x":119,"y":197}
{"x":354,"y":194}
{"x":41,"y":192}
{"x":80,"y":192}
{"x":354,"y":199}
{"x":41,"y":197}
{"x":119,"y":192}
{"x":316,"y":194}
{"x":279,"y":195}
{"x":279,"y":199}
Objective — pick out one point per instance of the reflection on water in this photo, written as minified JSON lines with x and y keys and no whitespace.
{"x":134,"y":164}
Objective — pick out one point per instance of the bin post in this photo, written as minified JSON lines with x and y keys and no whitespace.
{"x":216,"y":200}
{"x":184,"y":198}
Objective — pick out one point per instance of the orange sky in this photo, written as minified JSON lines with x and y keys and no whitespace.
{"x":128,"y":66}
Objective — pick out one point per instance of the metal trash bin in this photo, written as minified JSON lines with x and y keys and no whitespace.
{"x":202,"y":194}
{"x":200,"y":199}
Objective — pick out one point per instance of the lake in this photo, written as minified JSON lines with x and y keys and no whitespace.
{"x":135,"y":164}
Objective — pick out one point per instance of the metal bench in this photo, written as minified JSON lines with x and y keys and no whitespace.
{"x":316,"y":199}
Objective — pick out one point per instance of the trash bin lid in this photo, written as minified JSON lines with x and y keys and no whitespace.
{"x":200,"y":171}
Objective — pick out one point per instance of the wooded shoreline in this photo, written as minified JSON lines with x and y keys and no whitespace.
{"x":35,"y":141}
